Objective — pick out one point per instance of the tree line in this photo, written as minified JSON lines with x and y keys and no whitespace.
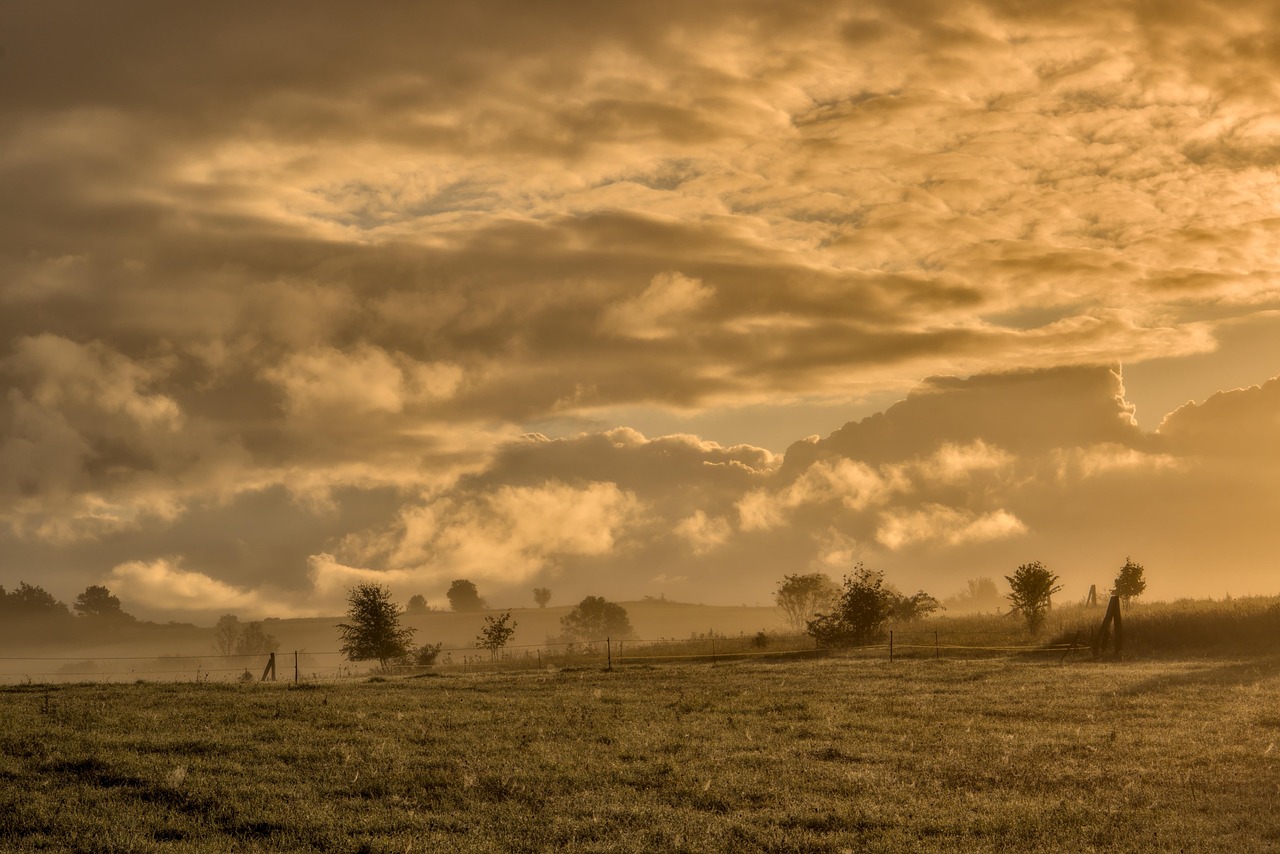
{"x":856,"y":611}
{"x":373,"y":630}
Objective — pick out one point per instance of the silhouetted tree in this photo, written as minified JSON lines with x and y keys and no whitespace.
{"x":859,"y":613}
{"x":463,"y":596}
{"x":254,"y":641}
{"x":225,"y":633}
{"x":914,"y":607}
{"x":1031,"y":591}
{"x":542,"y":595}
{"x":596,"y":618}
{"x":801,"y":597}
{"x":374,"y":631}
{"x":495,"y":634}
{"x":417,"y":604}
{"x":97,"y":602}
{"x":426,"y":655}
{"x":32,"y":601}
{"x":1129,"y":584}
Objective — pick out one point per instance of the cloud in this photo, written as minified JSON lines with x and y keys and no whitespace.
{"x":165,"y":585}
{"x":947,"y":524}
{"x":359,"y":254}
{"x":659,"y":311}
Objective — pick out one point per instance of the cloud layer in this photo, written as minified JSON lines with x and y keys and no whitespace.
{"x":327,"y":269}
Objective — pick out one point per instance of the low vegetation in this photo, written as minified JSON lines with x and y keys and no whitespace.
{"x":841,"y":753}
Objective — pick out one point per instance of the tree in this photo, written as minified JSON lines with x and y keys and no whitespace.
{"x":801,"y":597}
{"x":97,"y":602}
{"x":980,"y":594}
{"x":426,"y":655}
{"x":254,"y":641}
{"x":914,"y":607}
{"x":542,"y":595}
{"x":33,"y":601}
{"x":225,"y":633}
{"x":463,"y":596}
{"x":596,"y":618}
{"x":417,"y":604}
{"x":374,"y":631}
{"x":495,"y":634}
{"x":1031,"y":591}
{"x":859,"y":613}
{"x":1129,"y":584}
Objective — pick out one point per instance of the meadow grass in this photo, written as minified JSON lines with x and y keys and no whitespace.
{"x":827,"y":755}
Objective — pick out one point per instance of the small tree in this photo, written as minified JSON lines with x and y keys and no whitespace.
{"x":1129,"y":584}
{"x":374,"y":631}
{"x":254,"y":641}
{"x":426,"y":655}
{"x":596,"y":618}
{"x":417,"y":604}
{"x":225,"y":634}
{"x":495,"y":634}
{"x":860,"y":611}
{"x":542,"y":595}
{"x":914,"y":607}
{"x":463,"y":596}
{"x":1031,"y":591}
{"x":97,"y":602}
{"x":801,"y":597}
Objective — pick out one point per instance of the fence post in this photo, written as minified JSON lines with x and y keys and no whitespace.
{"x":890,"y":645}
{"x":270,"y":668}
{"x":295,"y":667}
{"x":1112,"y":616}
{"x":608,"y":651}
{"x":937,"y":652}
{"x":713,"y":648}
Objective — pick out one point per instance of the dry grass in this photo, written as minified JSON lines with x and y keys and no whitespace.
{"x":838,"y":754}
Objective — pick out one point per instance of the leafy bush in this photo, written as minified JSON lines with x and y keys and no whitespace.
{"x":861,"y":609}
{"x":426,"y":655}
{"x":1031,"y":591}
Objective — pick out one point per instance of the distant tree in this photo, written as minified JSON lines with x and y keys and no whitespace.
{"x":542,"y":595}
{"x":596,"y":618}
{"x":463,"y":596}
{"x":417,"y":604}
{"x":1129,"y":584}
{"x":980,"y":594}
{"x":374,"y":631}
{"x":33,"y":601}
{"x":1031,"y":591}
{"x":914,"y":607}
{"x":801,"y":597}
{"x":225,"y":633}
{"x":97,"y":602}
{"x":254,"y":641}
{"x":859,"y":612}
{"x":495,"y":634}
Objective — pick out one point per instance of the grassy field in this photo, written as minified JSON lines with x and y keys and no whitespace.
{"x":828,"y":755}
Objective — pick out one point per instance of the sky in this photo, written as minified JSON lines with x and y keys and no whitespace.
{"x":633,"y":299}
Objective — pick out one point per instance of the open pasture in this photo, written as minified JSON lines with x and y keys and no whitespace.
{"x":828,"y":755}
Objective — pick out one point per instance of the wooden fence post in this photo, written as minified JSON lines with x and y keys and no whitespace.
{"x":295,"y":667}
{"x":890,"y":645}
{"x":608,"y":651}
{"x":270,"y":668}
{"x":1112,"y":617}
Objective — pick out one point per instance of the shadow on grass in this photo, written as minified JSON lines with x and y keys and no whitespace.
{"x":1220,"y":675}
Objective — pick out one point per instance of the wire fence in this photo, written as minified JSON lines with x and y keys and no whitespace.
{"x":308,"y":666}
